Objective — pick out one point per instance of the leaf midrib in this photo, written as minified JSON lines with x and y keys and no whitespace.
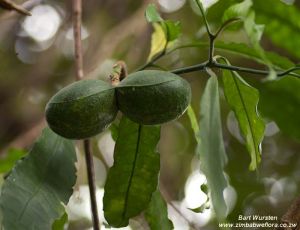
{"x":132,"y":172}
{"x":247,"y":116}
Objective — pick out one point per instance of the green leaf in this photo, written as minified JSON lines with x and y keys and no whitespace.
{"x":194,"y":123}
{"x":248,"y":52}
{"x":134,"y":175}
{"x":243,"y":100}
{"x":239,"y":10}
{"x":211,"y":148}
{"x":255,"y":32}
{"x":7,"y":163}
{"x":280,"y":101}
{"x":33,"y":193}
{"x":60,"y":223}
{"x":157,"y":213}
{"x":281,"y":23}
{"x":152,"y":15}
{"x":172,"y":30}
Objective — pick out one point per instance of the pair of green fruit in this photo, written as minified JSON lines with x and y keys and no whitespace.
{"x":85,"y":108}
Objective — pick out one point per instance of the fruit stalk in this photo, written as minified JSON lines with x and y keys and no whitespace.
{"x":77,"y":13}
{"x":119,"y":73}
{"x":91,"y":181}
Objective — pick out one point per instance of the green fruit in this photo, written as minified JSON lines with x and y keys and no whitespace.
{"x":152,"y":97}
{"x":82,"y":109}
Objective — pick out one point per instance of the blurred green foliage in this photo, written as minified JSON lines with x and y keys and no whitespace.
{"x":26,"y":87}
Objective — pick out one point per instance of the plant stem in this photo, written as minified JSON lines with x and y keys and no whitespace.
{"x":206,"y":64}
{"x":190,"y":69}
{"x":211,"y":36}
{"x":77,"y":14}
{"x":119,"y":73}
{"x":10,"y":5}
{"x":211,"y":50}
{"x":91,"y":181}
{"x":152,"y":61}
{"x":225,"y":24}
{"x":204,"y":17}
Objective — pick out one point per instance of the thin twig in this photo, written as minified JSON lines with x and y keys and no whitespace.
{"x":203,"y":65}
{"x":10,"y":5}
{"x":225,"y":24}
{"x":211,"y":49}
{"x":77,"y":14}
{"x":153,"y":60}
{"x":28,"y":5}
{"x":91,"y":181}
{"x":211,"y":36}
{"x":204,"y":17}
{"x":77,"y":11}
{"x":288,"y":71}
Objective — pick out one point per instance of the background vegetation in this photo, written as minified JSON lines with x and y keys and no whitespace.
{"x":36,"y":60}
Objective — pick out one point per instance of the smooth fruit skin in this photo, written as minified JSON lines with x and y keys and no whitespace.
{"x":152,"y":97}
{"x":82,"y":109}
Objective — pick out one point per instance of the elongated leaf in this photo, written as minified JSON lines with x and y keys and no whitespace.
{"x":157,"y":213}
{"x":10,"y":159}
{"x":211,"y":148}
{"x":165,"y":32}
{"x":243,"y":100}
{"x":245,"y":51}
{"x":281,"y":23}
{"x":134,"y":175}
{"x":248,"y":52}
{"x":255,"y":32}
{"x":280,"y":101}
{"x":33,"y":193}
{"x":158,"y":41}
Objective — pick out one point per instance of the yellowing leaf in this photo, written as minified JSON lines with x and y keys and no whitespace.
{"x":158,"y":40}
